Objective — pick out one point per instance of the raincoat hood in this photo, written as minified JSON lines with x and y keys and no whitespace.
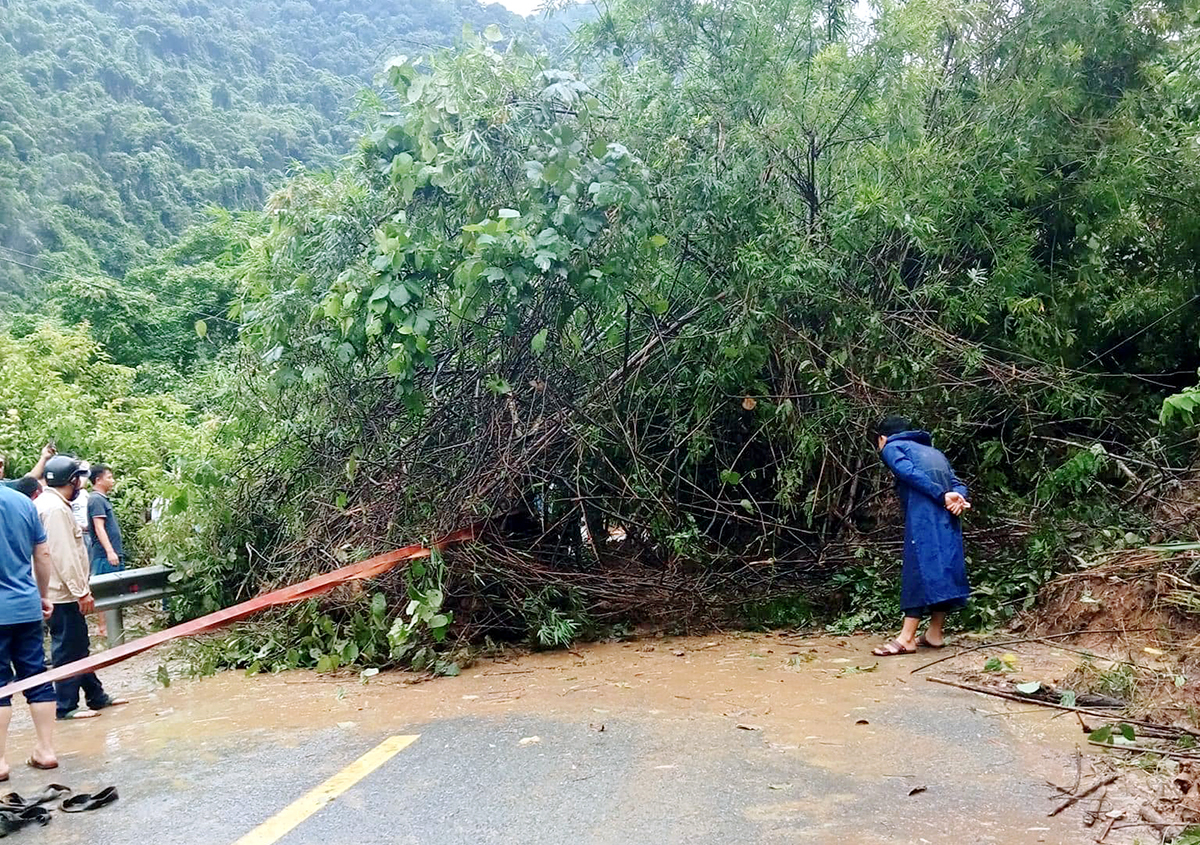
{"x":915,"y":436}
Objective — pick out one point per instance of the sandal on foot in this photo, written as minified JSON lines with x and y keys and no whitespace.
{"x":892,"y":649}
{"x":112,"y":702}
{"x":83,"y":802}
{"x":35,"y":763}
{"x":924,"y":643}
{"x":81,"y":713}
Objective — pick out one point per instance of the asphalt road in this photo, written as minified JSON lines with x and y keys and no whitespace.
{"x":725,"y":743}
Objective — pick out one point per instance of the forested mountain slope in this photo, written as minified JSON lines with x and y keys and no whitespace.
{"x":119,"y":120}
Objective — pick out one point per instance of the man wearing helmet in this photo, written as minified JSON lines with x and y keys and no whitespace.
{"x":69,"y":590}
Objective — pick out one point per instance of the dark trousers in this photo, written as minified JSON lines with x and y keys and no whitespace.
{"x":69,"y":642}
{"x":23,"y":655}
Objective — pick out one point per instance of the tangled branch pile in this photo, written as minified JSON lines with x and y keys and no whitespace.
{"x":661,"y":298}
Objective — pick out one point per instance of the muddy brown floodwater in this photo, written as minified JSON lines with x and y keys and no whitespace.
{"x":859,"y":733}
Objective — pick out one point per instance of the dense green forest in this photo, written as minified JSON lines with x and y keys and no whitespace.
{"x":655,"y":288}
{"x":121,"y":121}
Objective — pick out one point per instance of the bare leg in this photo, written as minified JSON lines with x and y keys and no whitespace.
{"x":908,"y":634}
{"x":5,"y":718}
{"x":43,"y":724}
{"x":934,"y":634}
{"x":905,"y":642}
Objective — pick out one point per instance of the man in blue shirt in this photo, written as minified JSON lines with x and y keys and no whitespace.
{"x":24,"y":556}
{"x":103,"y":533}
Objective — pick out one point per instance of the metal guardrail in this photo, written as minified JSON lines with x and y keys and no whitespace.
{"x":115,"y":591}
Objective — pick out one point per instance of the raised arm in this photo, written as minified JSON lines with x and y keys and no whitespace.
{"x":39,"y":469}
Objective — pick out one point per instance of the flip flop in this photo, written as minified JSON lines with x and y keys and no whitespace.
{"x":40,"y":766}
{"x":34,"y":815}
{"x":924,"y":643}
{"x":112,"y":702}
{"x":13,"y":802}
{"x":81,"y":713}
{"x":52,"y":792}
{"x":84,"y":802}
{"x":12,"y":820}
{"x":891,"y":649}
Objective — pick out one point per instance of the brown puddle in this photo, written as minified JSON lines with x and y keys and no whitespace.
{"x":805,"y":695}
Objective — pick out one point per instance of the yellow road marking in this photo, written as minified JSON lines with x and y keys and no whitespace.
{"x":279,"y":825}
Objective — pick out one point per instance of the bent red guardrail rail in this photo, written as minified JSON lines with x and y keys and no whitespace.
{"x":305,"y":589}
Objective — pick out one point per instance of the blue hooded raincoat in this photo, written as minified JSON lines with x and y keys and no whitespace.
{"x":935,"y":572}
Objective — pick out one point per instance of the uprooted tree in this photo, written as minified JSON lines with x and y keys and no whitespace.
{"x":661,"y":296}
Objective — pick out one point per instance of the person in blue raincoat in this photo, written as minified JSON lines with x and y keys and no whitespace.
{"x":933,"y":581}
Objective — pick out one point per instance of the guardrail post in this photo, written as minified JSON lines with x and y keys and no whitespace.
{"x":114,"y":619}
{"x":115,"y":590}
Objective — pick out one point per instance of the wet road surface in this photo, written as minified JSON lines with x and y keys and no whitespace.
{"x":735,"y":739}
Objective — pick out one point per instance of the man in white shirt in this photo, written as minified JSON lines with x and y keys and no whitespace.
{"x":69,"y":590}
{"x":79,"y":505}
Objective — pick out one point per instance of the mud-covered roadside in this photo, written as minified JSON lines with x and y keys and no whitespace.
{"x":833,"y":743}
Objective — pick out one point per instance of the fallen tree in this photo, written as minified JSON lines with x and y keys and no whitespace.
{"x":663,"y":299}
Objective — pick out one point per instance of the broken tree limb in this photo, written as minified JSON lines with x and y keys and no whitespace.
{"x":1145,"y":749}
{"x":1080,"y":796}
{"x":1156,"y":821}
{"x":1010,"y":696}
{"x":1020,"y":640}
{"x":314,"y":586}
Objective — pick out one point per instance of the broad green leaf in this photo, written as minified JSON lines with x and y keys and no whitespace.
{"x":201,"y":328}
{"x":538,"y":343}
{"x":1029,"y":688}
{"x":728,"y":476}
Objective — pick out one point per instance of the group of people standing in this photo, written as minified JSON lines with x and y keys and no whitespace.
{"x":54,"y":535}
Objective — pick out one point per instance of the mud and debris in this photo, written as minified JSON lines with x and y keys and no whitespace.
{"x":845,"y":745}
{"x":1131,"y":697}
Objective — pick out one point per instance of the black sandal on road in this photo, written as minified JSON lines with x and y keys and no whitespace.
{"x":892,"y":649}
{"x":12,"y":820}
{"x":13,"y":802}
{"x":924,"y":643}
{"x":34,"y":815}
{"x":84,"y":802}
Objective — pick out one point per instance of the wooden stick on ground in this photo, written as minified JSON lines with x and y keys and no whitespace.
{"x":1145,"y":749}
{"x":1034,"y":640}
{"x":1080,"y":796}
{"x":1024,"y":699}
{"x":1158,"y":822}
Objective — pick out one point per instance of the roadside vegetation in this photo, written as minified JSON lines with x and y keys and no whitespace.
{"x":632,"y":306}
